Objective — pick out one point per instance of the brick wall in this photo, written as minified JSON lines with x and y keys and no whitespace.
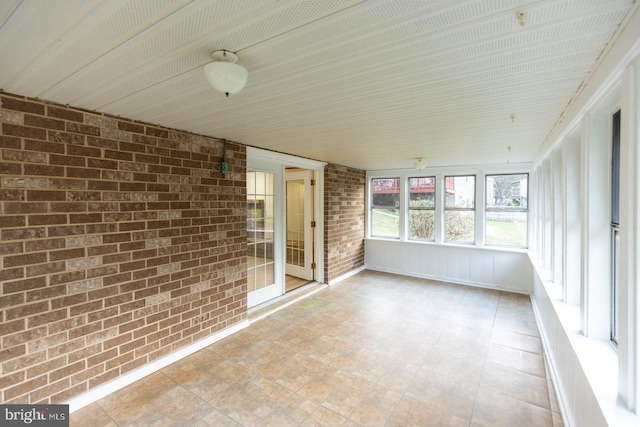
{"x":119,"y":243}
{"x":344,"y":211}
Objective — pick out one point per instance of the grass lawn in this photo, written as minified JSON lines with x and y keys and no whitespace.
{"x":504,"y":233}
{"x":385,"y":223}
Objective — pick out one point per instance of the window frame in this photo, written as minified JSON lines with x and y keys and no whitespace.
{"x":373,"y":207}
{"x":488,"y":209}
{"x":446,"y":209}
{"x":615,"y":228}
{"x":419,"y":209}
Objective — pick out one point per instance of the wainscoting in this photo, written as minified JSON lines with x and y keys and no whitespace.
{"x":585,"y":369}
{"x":494,"y":268}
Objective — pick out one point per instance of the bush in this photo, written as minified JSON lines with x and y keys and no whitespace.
{"x":459,"y":226}
{"x":422,"y":225}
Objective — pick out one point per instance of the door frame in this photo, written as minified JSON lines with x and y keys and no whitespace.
{"x":306,"y":271}
{"x":259,"y":159}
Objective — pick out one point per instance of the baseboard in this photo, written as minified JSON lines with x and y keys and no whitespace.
{"x":122,"y":381}
{"x":346,"y":275}
{"x":450,"y":280}
{"x":560,"y":397}
{"x":268,"y":308}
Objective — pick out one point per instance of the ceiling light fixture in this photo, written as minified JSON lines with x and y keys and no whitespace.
{"x":419,"y":164}
{"x":224,"y":74}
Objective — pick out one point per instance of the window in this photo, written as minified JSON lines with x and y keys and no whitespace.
{"x":422,"y":203}
{"x":615,"y":225}
{"x":506,"y":210}
{"x":385,"y":207}
{"x":459,"y":209}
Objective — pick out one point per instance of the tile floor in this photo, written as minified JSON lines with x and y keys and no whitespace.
{"x":374,"y":350}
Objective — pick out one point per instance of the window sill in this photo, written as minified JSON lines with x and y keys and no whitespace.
{"x":597,"y":359}
{"x":454,"y":245}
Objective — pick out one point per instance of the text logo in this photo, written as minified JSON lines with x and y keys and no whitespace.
{"x":34,"y":415}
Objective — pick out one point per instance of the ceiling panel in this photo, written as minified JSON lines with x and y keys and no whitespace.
{"x":370,"y":84}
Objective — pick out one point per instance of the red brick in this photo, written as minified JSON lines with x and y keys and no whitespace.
{"x":101,"y":379}
{"x":11,"y":248}
{"x":47,"y":219}
{"x":82,"y":128}
{"x":46,"y":293}
{"x":83,"y":173}
{"x":130,"y":127}
{"x":42,"y":269}
{"x":25,"y":259}
{"x":69,"y":230}
{"x":25,"y":387}
{"x":44,"y":146}
{"x":12,"y":353}
{"x":45,"y":195}
{"x":57,"y":159}
{"x":85,"y":218}
{"x":13,"y":195}
{"x":106,"y":199}
{"x":46,"y":367}
{"x":66,"y":137}
{"x":43,"y":122}
{"x":102,"y":143}
{"x":84,"y":151}
{"x":43,"y":170}
{"x":26,"y":310}
{"x":67,"y":370}
{"x":11,"y":208}
{"x":160,"y":133}
{"x":67,"y":254}
{"x":10,"y":142}
{"x":71,"y":276}
{"x":15,"y":104}
{"x":10,"y":168}
{"x":65,"y":114}
{"x":118,"y":155}
{"x":9,"y":129}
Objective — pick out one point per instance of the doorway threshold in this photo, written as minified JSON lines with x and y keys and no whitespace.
{"x":269,"y":307}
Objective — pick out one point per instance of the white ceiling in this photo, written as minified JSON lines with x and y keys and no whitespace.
{"x":368,"y":84}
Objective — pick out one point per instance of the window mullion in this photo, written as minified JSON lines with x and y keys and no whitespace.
{"x":404,"y":211}
{"x":439,"y":212}
{"x":480,"y":213}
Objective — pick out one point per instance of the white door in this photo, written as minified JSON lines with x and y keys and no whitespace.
{"x":266,"y":223}
{"x":264,"y":280}
{"x":299,"y":224}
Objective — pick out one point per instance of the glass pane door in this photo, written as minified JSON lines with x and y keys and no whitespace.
{"x":295,"y":222}
{"x":299,"y":231}
{"x":260,"y":230}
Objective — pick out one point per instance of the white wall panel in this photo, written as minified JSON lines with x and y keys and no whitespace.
{"x":584,"y":370}
{"x":485,"y":267}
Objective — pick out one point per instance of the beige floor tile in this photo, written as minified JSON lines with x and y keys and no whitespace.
{"x":377,"y":349}
{"x":370,"y":414}
{"x":553,"y":400}
{"x":342,"y":401}
{"x":557,"y":419}
{"x":520,"y":385}
{"x":91,"y":416}
{"x":412,"y":411}
{"x":127,"y":411}
{"x":324,"y":417}
{"x":525,"y":342}
{"x":494,"y":409}
{"x":519,"y":360}
{"x":216,"y":418}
